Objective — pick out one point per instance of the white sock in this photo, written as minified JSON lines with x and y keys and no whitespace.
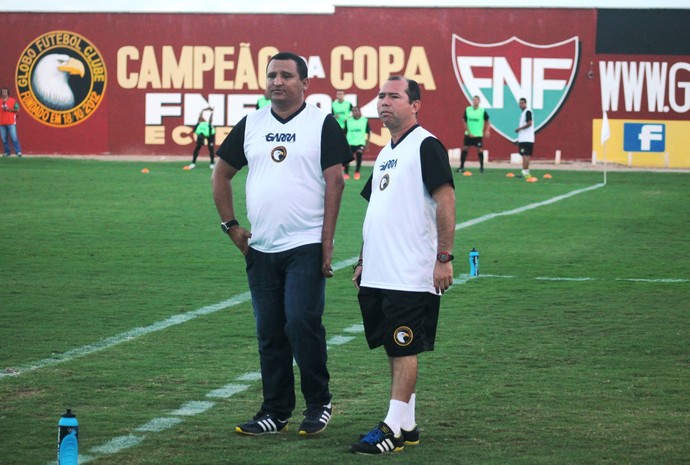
{"x":525,"y":172}
{"x":409,"y":422}
{"x":396,"y":414}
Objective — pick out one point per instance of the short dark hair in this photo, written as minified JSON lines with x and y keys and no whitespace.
{"x":523,"y":99}
{"x":413,"y":91}
{"x":301,"y":64}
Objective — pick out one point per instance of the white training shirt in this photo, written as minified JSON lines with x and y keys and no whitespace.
{"x":400,"y":232}
{"x":527,"y":134}
{"x":285,"y":184}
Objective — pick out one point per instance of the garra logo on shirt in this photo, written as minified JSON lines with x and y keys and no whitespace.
{"x":388,"y":165}
{"x":280,"y":137}
{"x":61,"y":78}
{"x":502,"y":73}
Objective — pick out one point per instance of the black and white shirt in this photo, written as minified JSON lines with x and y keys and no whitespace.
{"x":285,"y":184}
{"x":400,"y":232}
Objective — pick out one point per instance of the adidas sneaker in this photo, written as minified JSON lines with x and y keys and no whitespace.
{"x":316,"y":419}
{"x":379,"y":440}
{"x":262,"y":423}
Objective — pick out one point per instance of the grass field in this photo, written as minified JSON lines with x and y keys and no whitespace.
{"x":121,"y":299}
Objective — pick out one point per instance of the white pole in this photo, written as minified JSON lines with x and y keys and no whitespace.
{"x":605,"y":165}
{"x":557,"y":159}
{"x":666,"y":159}
{"x":486,"y":156}
{"x":630,"y":159}
{"x":594,"y":157}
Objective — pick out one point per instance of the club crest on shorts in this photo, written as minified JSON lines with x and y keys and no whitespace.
{"x":61,"y":78}
{"x":279,"y":154}
{"x":502,"y":73}
{"x":403,"y":336}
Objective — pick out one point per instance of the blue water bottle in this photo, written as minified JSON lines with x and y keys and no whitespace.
{"x":68,"y":439}
{"x":474,"y":262}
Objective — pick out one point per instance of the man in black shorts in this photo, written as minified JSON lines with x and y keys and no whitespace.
{"x":405,"y":263}
{"x":477,"y":126}
{"x":525,"y":132}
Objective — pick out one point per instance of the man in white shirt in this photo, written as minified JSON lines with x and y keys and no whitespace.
{"x":525,"y":132}
{"x":406,"y":257}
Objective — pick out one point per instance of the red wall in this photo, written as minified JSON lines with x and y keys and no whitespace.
{"x":118,"y":124}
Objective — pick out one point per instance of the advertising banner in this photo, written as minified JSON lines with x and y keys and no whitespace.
{"x":135,"y":84}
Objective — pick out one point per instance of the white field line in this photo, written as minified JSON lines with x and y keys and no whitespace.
{"x":190,"y":408}
{"x":238,"y":299}
{"x":464,"y":278}
{"x":531,"y":206}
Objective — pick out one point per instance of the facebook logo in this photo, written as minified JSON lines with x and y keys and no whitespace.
{"x":644,"y":137}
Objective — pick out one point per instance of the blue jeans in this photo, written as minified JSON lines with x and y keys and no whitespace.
{"x":11,"y":130}
{"x":288,"y":294}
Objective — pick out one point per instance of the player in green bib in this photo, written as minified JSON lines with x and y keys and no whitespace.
{"x":341,"y":108}
{"x":477,"y":126}
{"x":357,"y":132}
{"x":205,"y":132}
{"x":262,"y":102}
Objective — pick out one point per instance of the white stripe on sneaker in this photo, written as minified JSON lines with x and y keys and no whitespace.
{"x":385,"y":445}
{"x":268,"y":425}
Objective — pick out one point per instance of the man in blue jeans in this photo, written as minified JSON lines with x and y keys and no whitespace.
{"x":9,"y":108}
{"x":294,"y":152}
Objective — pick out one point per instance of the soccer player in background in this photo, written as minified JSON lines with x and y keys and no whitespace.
{"x":477,"y":126}
{"x":357,"y":131}
{"x":205,"y":132}
{"x":525,"y":138}
{"x":341,"y":108}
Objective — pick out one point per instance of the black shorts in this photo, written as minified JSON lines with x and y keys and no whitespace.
{"x":401,"y":321}
{"x":525,"y":148}
{"x":201,"y":139}
{"x":473,"y":141}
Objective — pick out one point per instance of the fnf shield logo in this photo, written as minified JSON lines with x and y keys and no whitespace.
{"x":61,"y":78}
{"x":502,"y":73}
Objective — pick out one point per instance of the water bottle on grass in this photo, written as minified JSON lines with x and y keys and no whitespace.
{"x":68,"y":439}
{"x":474,"y":262}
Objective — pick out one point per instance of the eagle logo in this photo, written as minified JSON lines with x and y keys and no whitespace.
{"x":61,"y":78}
{"x":279,"y":154}
{"x":403,"y":336}
{"x":383,"y":183}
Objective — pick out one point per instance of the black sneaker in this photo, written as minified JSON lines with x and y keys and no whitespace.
{"x":410,"y":438}
{"x":316,"y":419}
{"x":379,"y":440}
{"x":262,"y":423}
{"x":460,"y":170}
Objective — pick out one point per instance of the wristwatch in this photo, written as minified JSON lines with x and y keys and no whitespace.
{"x":444,"y":257}
{"x":229,"y":224}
